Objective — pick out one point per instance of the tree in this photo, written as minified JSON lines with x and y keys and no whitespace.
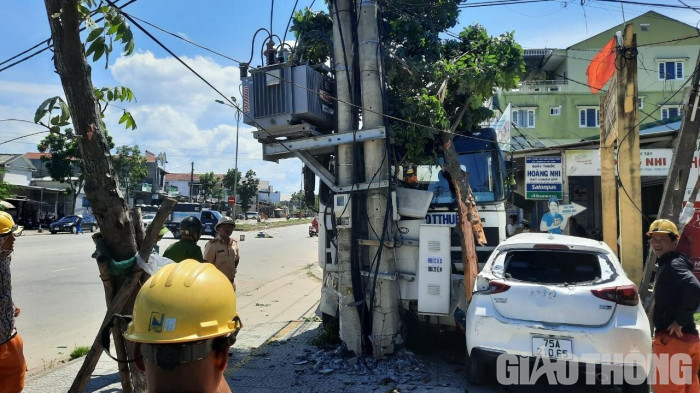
{"x":130,"y":166}
{"x":231,"y":179}
{"x":5,"y":188}
{"x":248,"y":189}
{"x":207,"y":183}
{"x":297,"y":199}
{"x":120,"y":230}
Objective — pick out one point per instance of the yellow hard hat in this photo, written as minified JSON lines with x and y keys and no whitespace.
{"x":184,"y":302}
{"x":163,"y":231}
{"x":7,"y":224}
{"x":663,"y":226}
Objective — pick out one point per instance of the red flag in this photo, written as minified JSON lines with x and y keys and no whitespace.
{"x":602,"y":67}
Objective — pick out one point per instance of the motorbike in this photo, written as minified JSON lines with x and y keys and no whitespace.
{"x":312,"y":231}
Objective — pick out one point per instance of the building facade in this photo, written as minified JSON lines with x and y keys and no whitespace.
{"x":553,"y":104}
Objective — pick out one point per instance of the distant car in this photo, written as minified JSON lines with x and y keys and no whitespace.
{"x":68,"y":224}
{"x":147,"y":218}
{"x":560,"y":297}
{"x":252,"y":216}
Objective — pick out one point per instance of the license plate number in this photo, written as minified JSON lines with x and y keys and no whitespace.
{"x":555,"y":348}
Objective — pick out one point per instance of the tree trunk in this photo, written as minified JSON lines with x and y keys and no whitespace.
{"x":101,"y":184}
{"x":470,"y":227}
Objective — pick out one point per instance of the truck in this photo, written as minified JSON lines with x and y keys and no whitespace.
{"x":209,"y":218}
{"x":427,"y":212}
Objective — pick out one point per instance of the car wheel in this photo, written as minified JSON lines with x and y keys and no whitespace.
{"x":73,"y":230}
{"x":642,"y":388}
{"x":93,"y":228}
{"x":474,"y":370}
{"x":177,"y":234}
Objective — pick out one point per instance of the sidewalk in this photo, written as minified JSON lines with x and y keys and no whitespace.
{"x":279,"y":357}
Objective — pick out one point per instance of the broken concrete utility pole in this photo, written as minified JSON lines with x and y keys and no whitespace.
{"x":678,"y":174}
{"x":385,"y":315}
{"x":608,"y":186}
{"x":349,"y":318}
{"x":630,"y":193}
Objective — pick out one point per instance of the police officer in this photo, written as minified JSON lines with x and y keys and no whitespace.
{"x":186,"y":247}
{"x":183,"y":324}
{"x":222,"y":251}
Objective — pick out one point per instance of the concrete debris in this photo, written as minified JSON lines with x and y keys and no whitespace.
{"x":400,"y":368}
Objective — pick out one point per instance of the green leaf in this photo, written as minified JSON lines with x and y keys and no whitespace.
{"x":94,"y":34}
{"x":97,"y":45}
{"x":124,"y":118}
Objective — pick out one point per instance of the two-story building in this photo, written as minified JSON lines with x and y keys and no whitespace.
{"x":553,"y":104}
{"x":556,"y":114}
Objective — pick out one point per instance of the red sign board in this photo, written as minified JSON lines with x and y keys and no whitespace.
{"x":231,"y":200}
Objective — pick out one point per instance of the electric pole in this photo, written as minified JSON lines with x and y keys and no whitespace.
{"x":350,"y":326}
{"x":630,"y":197}
{"x":678,"y":174}
{"x":385,"y":315}
{"x":191,"y":180}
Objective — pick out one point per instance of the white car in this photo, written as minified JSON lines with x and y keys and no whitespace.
{"x":541,"y":298}
{"x":147,"y":218}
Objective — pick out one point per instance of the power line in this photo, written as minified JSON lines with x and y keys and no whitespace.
{"x":48,"y":44}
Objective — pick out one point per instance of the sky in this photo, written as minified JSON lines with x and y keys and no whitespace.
{"x":176,"y":113}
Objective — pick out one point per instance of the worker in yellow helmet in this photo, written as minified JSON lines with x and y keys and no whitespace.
{"x":12,"y":364}
{"x":184,"y":322}
{"x":676,"y":342}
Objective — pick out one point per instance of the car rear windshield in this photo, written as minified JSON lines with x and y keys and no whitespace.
{"x":555,"y":267}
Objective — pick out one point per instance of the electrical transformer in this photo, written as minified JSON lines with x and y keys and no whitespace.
{"x":280,"y":97}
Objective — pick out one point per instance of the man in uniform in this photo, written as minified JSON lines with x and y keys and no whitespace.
{"x":183,"y":324}
{"x":186,"y":247}
{"x":222,"y":251}
{"x":677,"y":298}
{"x":12,"y":363}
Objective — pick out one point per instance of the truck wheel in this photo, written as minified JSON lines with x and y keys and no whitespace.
{"x":474,"y":370}
{"x":177,"y":234}
{"x":93,"y":228}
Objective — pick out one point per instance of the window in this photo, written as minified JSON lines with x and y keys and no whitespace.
{"x":555,"y":111}
{"x":524,"y":118}
{"x":640,"y":102}
{"x":644,"y":26}
{"x":669,"y":112}
{"x":670,"y":70}
{"x":588,"y":117}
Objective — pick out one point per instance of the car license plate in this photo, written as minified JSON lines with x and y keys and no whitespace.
{"x":555,"y":348}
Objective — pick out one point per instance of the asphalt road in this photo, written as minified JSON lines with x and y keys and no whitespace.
{"x":56,"y":284}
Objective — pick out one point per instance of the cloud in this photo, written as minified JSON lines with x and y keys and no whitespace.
{"x":176,"y":114}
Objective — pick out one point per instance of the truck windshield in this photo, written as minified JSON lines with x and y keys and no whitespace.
{"x":486,"y":177}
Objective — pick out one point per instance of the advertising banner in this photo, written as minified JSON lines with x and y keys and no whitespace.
{"x":543,"y":178}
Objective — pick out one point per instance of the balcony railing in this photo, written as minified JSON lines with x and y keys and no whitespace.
{"x":545,"y":82}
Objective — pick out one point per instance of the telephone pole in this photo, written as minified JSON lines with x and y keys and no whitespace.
{"x":350,"y":326}
{"x":678,"y":174}
{"x":191,"y":180}
{"x":630,"y":195}
{"x":385,"y":315}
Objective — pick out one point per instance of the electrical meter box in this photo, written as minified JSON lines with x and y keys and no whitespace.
{"x":434,"y":270}
{"x":342,"y":209}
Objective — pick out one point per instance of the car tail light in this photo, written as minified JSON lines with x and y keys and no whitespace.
{"x":625,"y":295}
{"x":497,"y":287}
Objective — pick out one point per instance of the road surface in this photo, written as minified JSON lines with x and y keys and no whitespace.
{"x":56,"y":284}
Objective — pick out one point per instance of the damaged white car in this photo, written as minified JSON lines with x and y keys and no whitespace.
{"x":550,"y":299}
